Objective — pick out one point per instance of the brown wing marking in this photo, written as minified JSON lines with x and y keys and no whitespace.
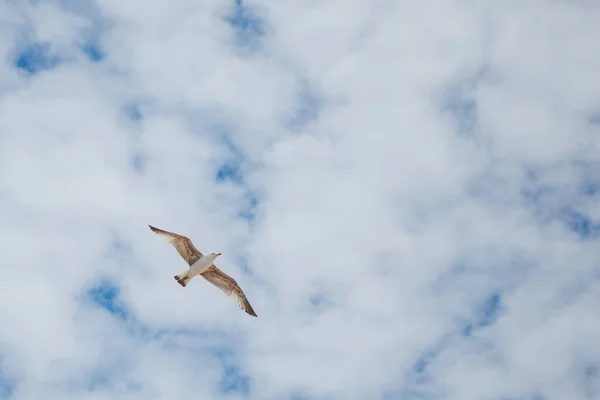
{"x":182,"y":244}
{"x":229,"y":286}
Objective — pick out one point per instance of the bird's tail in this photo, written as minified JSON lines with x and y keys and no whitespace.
{"x":182,"y":278}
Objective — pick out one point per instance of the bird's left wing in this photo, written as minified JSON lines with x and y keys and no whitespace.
{"x":182,"y":244}
{"x":229,"y":286}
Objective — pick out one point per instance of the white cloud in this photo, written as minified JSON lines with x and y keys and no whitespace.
{"x":426,"y":218}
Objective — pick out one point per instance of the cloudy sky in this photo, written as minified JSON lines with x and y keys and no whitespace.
{"x":407,"y":191}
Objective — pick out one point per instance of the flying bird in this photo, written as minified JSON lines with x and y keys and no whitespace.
{"x":200,"y":264}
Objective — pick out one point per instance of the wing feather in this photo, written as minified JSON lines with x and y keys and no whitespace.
{"x":229,"y":286}
{"x":182,"y":244}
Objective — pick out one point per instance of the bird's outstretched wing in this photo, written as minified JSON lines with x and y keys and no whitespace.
{"x":184,"y":245}
{"x":229,"y":286}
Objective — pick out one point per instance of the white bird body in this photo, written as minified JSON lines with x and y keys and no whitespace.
{"x":198,"y":267}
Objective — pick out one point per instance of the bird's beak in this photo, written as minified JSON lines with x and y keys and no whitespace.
{"x":218,"y":254}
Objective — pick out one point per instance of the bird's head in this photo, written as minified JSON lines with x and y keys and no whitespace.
{"x":215,"y":255}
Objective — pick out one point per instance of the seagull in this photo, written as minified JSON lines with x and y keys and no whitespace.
{"x":203,"y":265}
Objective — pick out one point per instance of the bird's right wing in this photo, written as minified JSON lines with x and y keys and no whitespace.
{"x":184,"y":245}
{"x":229,"y":286}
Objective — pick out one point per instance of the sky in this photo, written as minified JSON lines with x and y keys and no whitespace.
{"x":408,"y":192}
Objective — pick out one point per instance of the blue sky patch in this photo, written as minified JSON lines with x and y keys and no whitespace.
{"x":308,"y":107}
{"x":106,"y":295}
{"x":488,"y":313}
{"x":249,"y":27}
{"x":233,"y":380}
{"x":35,"y":57}
{"x":231,"y":168}
{"x":93,"y":51}
{"x":424,"y":360}
{"x":490,"y":310}
{"x":229,"y":171}
{"x":590,"y":188}
{"x":547,"y":203}
{"x":467,"y":330}
{"x":580,"y":223}
{"x":133,"y":111}
{"x":248,"y":212}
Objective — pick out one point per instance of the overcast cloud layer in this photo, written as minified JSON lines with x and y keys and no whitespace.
{"x":407,"y":191}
